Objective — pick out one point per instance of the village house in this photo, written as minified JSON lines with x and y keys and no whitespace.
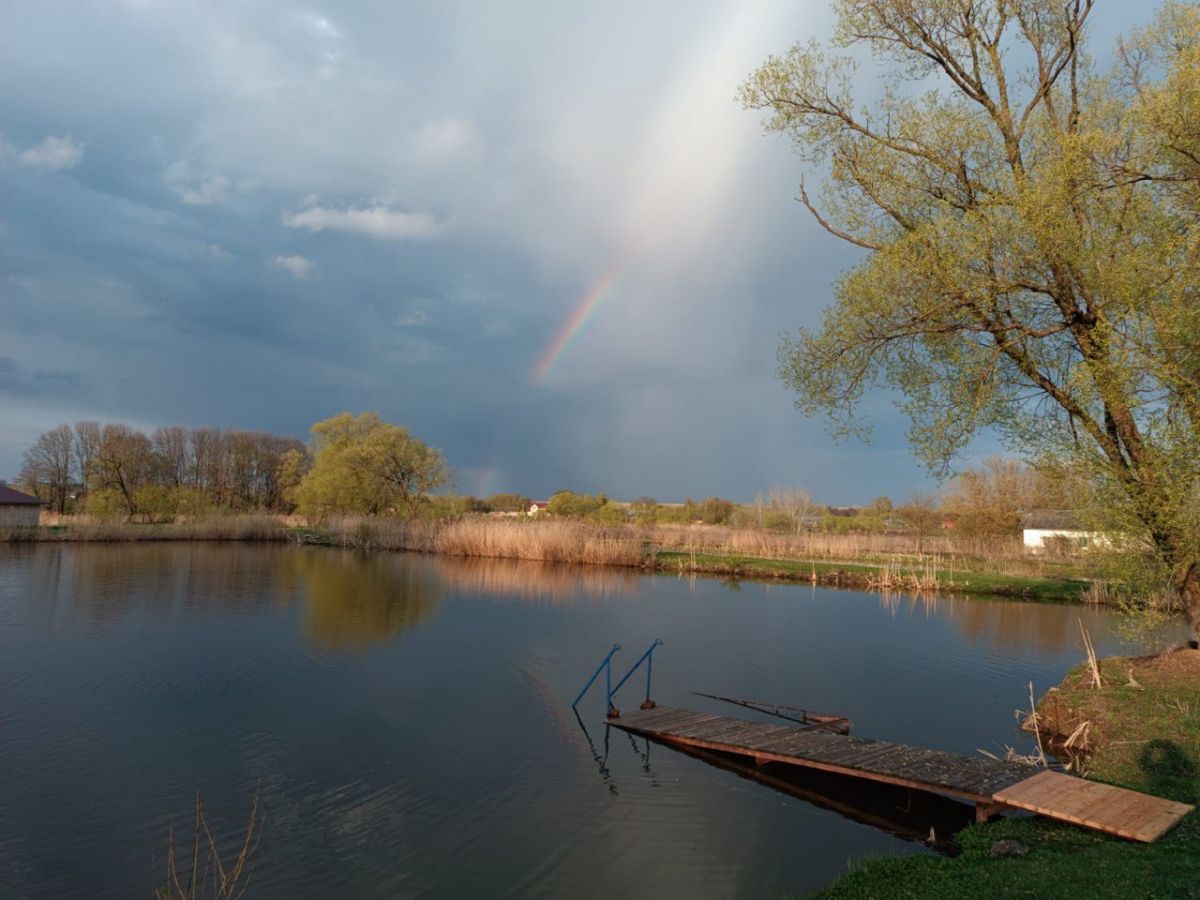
{"x":539,"y":507}
{"x":18,"y":509}
{"x":1044,"y":529}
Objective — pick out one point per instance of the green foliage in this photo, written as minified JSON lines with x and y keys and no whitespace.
{"x":509,"y":503}
{"x":1033,"y":247}
{"x":362,"y":464}
{"x":777,"y":520}
{"x":291,"y":470}
{"x":610,"y":514}
{"x":989,"y":499}
{"x":106,"y":504}
{"x":880,"y":507}
{"x":575,"y":506}
{"x":712,"y":511}
{"x":674,"y":515}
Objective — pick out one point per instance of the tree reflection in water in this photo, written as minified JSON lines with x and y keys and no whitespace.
{"x":355,"y":600}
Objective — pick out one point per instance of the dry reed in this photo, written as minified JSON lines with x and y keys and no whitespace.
{"x":204,"y":875}
{"x":545,"y":541}
{"x":215,"y":528}
{"x":1093,"y":664}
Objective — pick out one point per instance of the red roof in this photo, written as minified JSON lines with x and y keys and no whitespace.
{"x":10,"y":497}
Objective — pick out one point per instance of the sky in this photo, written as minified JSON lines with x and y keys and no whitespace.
{"x":543,"y":237}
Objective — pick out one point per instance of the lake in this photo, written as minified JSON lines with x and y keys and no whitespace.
{"x":406,"y":720}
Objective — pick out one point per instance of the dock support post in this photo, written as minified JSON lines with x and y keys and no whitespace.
{"x":985,"y":811}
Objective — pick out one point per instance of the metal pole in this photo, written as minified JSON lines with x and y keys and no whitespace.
{"x":595,"y":674}
{"x":649,"y":670}
{"x":641,"y":659}
{"x":608,"y":704}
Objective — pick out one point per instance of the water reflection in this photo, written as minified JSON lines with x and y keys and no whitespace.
{"x":349,"y":600}
{"x":912,"y":815}
{"x":534,"y":581}
{"x":600,"y":759}
{"x":355,"y":600}
{"x":111,"y":583}
{"x":352,"y":600}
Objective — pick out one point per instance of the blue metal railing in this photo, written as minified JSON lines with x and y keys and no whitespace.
{"x":609,"y":691}
{"x":606,"y":668}
{"x":648,"y":659}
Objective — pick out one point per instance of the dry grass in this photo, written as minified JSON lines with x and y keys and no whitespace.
{"x":543,"y":541}
{"x":217,"y":528}
{"x":202,"y":874}
{"x":1093,"y":666}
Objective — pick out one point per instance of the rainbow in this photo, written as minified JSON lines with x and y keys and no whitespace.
{"x":572,"y":325}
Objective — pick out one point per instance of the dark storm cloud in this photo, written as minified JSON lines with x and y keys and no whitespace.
{"x":258,"y":215}
{"x":18,"y":381}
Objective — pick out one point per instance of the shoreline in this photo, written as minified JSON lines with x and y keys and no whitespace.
{"x":581,"y":545}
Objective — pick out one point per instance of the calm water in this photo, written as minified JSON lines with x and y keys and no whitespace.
{"x":407,"y":722}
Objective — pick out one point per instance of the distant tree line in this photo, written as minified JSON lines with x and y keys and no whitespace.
{"x":354,"y":464}
{"x":115,"y":468}
{"x":358,"y":463}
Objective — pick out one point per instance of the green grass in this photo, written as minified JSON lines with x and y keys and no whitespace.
{"x":1150,"y":742}
{"x":1056,"y":589}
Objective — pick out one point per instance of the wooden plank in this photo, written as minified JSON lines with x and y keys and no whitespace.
{"x":867,"y":759}
{"x":759,"y":734}
{"x":1040,"y":788}
{"x":1103,"y":807}
{"x":1167,"y":819}
{"x":727,"y":733}
{"x":1153,"y":811}
{"x":679,"y":723}
{"x":698,"y":727}
{"x":654,"y":718}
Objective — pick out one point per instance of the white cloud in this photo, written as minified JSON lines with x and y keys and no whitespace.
{"x":375,"y":221}
{"x":443,"y":139}
{"x":196,"y":186}
{"x":299,"y":267}
{"x":51,"y":154}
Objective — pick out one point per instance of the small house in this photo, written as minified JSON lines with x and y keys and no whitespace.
{"x":1048,"y":529}
{"x":539,"y":507}
{"x":18,"y":509}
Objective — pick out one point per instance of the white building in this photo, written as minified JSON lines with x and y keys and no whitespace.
{"x":1042,"y":530}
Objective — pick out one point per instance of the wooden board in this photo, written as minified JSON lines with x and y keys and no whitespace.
{"x":1113,"y":810}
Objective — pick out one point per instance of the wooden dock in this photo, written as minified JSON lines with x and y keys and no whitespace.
{"x":992,"y":785}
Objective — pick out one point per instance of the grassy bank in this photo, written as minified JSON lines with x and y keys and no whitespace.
{"x":899,"y":576}
{"x":1143,"y":733}
{"x":870,"y":562}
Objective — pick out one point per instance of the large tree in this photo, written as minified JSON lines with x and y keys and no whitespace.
{"x":1030,"y":233}
{"x":363,"y":464}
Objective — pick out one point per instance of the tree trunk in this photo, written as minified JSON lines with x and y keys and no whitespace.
{"x":1189,"y":593}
